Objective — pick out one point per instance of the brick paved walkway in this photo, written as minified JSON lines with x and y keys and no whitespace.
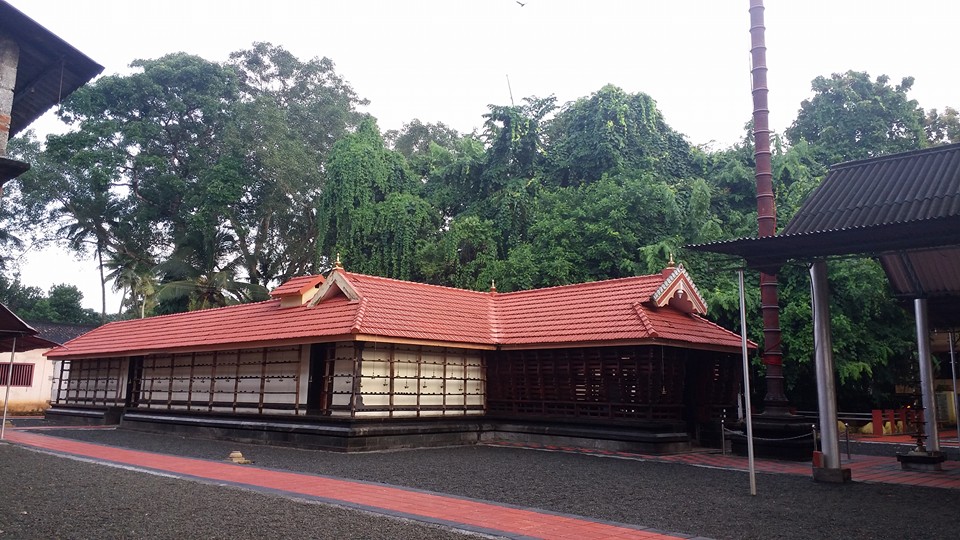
{"x":457,"y":512}
{"x":867,"y":469}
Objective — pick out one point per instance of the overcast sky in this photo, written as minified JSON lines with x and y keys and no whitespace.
{"x":446,"y":60}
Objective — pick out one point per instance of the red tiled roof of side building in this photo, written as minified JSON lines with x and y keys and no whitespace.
{"x":583,"y":313}
{"x":405,"y":309}
{"x":601,"y":311}
{"x":235,"y":326}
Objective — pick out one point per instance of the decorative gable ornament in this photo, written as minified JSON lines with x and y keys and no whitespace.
{"x":679,"y":292}
{"x":336,"y":284}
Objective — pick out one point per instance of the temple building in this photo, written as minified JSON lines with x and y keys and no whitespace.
{"x":349,"y":361}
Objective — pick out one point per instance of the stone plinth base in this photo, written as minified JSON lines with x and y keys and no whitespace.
{"x":831,"y":476}
{"x":921,"y":461}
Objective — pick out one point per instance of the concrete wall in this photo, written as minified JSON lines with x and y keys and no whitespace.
{"x":30,"y":398}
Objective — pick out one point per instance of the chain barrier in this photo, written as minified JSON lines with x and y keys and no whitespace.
{"x":742,"y":434}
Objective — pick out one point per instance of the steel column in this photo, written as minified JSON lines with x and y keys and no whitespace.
{"x":746,"y":386}
{"x":953,"y":370}
{"x":823,"y":345}
{"x":926,"y":375}
{"x":6,"y":398}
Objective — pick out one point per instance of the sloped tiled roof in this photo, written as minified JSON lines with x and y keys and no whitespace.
{"x":389,"y":309}
{"x":612,"y":310}
{"x":296,"y":286}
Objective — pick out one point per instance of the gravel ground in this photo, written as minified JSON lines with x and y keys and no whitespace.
{"x":671,"y":497}
{"x":50,"y":497}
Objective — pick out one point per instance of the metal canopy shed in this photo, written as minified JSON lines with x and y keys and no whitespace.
{"x":50,"y":69}
{"x":46,"y":69}
{"x":904,"y":210}
{"x":15,"y":335}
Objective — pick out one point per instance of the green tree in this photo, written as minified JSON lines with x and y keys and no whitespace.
{"x":370,"y":210}
{"x":415,"y":138}
{"x":21,"y":215}
{"x":291,"y":112}
{"x":202,"y":274}
{"x":613,"y":132}
{"x":853,"y":117}
{"x":63,"y":303}
{"x":464,"y":256}
{"x":595,"y":231}
{"x":942,"y":128}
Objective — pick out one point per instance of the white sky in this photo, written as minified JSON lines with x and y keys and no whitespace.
{"x":446,"y":60}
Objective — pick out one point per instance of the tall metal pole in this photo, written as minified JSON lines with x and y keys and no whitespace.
{"x":926,"y":375}
{"x":6,"y":398}
{"x":823,"y":345}
{"x":746,"y":387}
{"x":775,"y":401}
{"x":956,"y":402}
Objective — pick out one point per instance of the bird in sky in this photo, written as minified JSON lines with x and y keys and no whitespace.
{"x":521,"y":3}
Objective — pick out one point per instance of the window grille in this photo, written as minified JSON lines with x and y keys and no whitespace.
{"x":22,"y":374}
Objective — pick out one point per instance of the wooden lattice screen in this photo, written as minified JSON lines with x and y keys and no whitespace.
{"x":95,"y":382}
{"x":248,"y":380}
{"x":640,"y":383}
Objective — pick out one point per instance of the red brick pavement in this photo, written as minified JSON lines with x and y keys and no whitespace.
{"x":867,"y":469}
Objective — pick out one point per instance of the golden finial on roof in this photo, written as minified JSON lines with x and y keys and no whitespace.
{"x":493,"y":285}
{"x":671,"y":263}
{"x":337,"y":265}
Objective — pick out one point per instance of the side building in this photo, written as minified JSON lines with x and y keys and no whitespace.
{"x":32,"y":376}
{"x":358,"y":362}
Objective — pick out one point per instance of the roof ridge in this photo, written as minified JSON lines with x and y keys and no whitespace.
{"x":896,"y":156}
{"x":493,"y":318}
{"x":358,"y":320}
{"x":584,"y":284}
{"x":417,"y":283}
{"x":645,"y":319}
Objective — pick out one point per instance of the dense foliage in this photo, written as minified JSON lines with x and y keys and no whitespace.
{"x":197,"y":184}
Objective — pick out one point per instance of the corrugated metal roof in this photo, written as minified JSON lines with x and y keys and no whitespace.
{"x":903,"y":209}
{"x":60,"y":333}
{"x":11,"y":325}
{"x":49,"y":70}
{"x":900,"y":188}
{"x":604,"y":311}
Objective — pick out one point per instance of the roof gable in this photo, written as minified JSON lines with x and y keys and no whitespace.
{"x":678,"y":290}
{"x":336,"y":285}
{"x":297,"y":291}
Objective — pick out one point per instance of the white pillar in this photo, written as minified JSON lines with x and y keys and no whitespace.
{"x":926,"y":375}
{"x":823,"y":345}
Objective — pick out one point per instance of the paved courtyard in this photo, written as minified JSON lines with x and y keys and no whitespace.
{"x":497,"y":491}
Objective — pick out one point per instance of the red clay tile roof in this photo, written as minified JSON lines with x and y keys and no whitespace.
{"x":604,"y":311}
{"x":296,"y":286}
